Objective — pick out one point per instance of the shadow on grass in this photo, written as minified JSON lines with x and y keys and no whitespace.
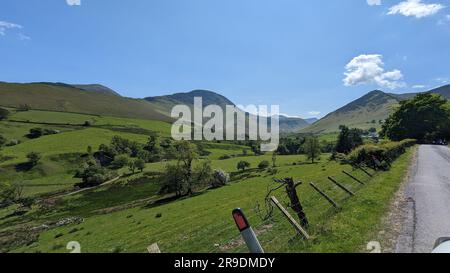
{"x":24,"y":167}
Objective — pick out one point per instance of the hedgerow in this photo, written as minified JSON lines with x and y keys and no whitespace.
{"x":379,"y":156}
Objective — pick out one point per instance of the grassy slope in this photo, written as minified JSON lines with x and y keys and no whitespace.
{"x":360,"y":113}
{"x":163,"y":128}
{"x":68,"y":99}
{"x":70,"y":142}
{"x":197,"y":223}
{"x":51,"y":175}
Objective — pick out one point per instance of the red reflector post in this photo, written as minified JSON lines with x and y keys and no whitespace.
{"x":247,"y":232}
{"x":240,"y":220}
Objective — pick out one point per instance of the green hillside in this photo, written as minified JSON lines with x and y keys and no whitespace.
{"x":366,"y":112}
{"x":67,"y":98}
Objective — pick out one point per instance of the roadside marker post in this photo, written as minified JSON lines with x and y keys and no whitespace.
{"x":247,"y":232}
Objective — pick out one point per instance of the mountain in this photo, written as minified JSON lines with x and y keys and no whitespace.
{"x":311,"y":120}
{"x":164,"y":104}
{"x":100,"y":100}
{"x":291,"y":124}
{"x":69,"y":98}
{"x":98,"y":88}
{"x":366,"y":112}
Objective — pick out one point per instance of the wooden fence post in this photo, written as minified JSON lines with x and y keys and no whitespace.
{"x":366,"y":172}
{"x":290,"y":218}
{"x":329,"y":199}
{"x":341,"y":186}
{"x":354,"y":178}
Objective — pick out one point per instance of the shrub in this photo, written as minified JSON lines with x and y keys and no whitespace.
{"x":219,"y":178}
{"x":242,"y":165}
{"x":93,"y":175}
{"x":379,"y":156}
{"x":4,"y":114}
{"x":33,"y":158}
{"x":2,"y":141}
{"x":35,"y":133}
{"x":120,"y":161}
{"x":12,"y":142}
{"x":263,"y":165}
{"x":348,"y":139}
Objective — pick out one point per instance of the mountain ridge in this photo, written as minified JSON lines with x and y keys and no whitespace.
{"x":367,"y":111}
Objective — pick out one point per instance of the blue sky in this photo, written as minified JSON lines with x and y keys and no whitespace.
{"x":309,"y":56}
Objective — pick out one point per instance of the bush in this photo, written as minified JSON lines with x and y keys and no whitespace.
{"x":93,"y":175}
{"x":242,"y":165}
{"x":380,"y":156}
{"x":263,"y":165}
{"x":35,"y":133}
{"x":219,"y":178}
{"x":33,"y":158}
{"x":119,"y":162}
{"x":4,"y":114}
{"x":12,"y":142}
{"x":2,"y":141}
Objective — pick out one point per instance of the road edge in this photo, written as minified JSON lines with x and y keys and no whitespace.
{"x":397,"y":234}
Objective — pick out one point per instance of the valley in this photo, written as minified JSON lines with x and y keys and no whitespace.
{"x":130,"y":212}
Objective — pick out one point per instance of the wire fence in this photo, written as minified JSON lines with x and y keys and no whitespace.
{"x":320,"y":201}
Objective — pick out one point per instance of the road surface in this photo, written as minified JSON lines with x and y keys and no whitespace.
{"x":428,"y":192}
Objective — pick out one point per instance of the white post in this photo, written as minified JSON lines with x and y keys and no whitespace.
{"x":247,"y":232}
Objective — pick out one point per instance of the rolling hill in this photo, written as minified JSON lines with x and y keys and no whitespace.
{"x":367,"y":111}
{"x":97,"y":99}
{"x":68,"y":98}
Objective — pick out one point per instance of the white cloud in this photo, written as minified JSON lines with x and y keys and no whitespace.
{"x":73,"y":2}
{"x":314,"y":113}
{"x":7,"y":25}
{"x":419,"y":86}
{"x":415,"y":8}
{"x":374,"y":2}
{"x":366,"y":69}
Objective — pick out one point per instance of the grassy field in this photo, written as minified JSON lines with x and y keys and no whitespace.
{"x":54,"y":175}
{"x":203,"y":223}
{"x":130,"y":214}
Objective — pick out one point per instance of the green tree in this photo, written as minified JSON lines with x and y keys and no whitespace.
{"x":423,"y":117}
{"x":120,"y":161}
{"x":154,"y":148}
{"x":203,"y":173}
{"x":312,"y":148}
{"x":140,"y":164}
{"x":93,"y":175}
{"x":348,"y":139}
{"x":10,"y":193}
{"x":263,"y":165}
{"x":4,"y":114}
{"x":2,"y":141}
{"x":132,"y":166}
{"x":242,"y":165}
{"x":33,"y":158}
{"x":186,"y":153}
{"x":35,"y":133}
{"x":172,"y":180}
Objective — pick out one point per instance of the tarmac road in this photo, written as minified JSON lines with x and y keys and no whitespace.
{"x":429,"y":193}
